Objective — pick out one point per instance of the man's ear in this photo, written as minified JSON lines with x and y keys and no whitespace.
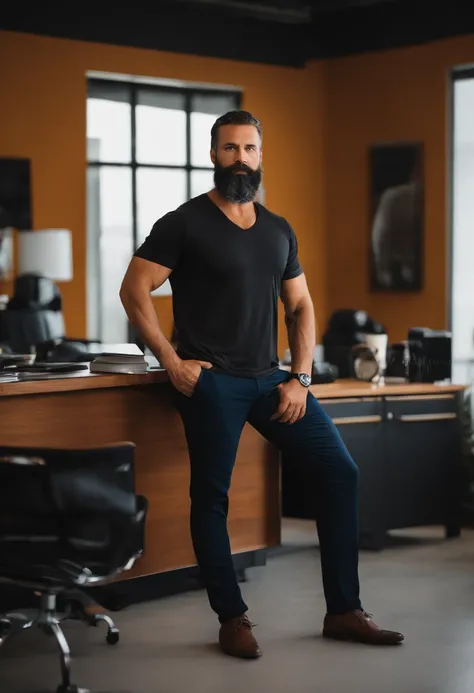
{"x":213,"y":156}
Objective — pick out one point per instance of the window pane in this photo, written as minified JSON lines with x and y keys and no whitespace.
{"x":109,"y":203}
{"x":201,"y":182}
{"x":108,"y":131}
{"x":161,"y":128}
{"x":205,"y":109}
{"x":462,"y":291}
{"x":159,"y":190}
{"x":201,"y":124}
{"x":112,"y":90}
{"x":214,"y":104}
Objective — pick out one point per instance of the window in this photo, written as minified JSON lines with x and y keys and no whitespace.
{"x":462,"y":259}
{"x":147,"y":153}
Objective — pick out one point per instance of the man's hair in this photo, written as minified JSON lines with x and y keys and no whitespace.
{"x":234,"y":118}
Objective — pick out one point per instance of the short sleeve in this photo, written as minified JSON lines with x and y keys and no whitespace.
{"x":293,"y":268}
{"x":164,"y":243}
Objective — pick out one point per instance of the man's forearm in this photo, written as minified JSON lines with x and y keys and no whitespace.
{"x":302,"y":338}
{"x":143,"y":317}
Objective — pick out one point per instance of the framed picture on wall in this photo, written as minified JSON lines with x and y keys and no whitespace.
{"x":396,"y":216}
{"x":15,"y":194}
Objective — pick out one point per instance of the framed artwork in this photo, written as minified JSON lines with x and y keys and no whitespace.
{"x":15,"y":194}
{"x":396,"y":216}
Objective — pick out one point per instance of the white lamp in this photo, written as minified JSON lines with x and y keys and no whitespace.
{"x":47,"y":252}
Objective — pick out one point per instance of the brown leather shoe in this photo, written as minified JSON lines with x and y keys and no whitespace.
{"x":237,"y":640}
{"x":358,"y":626}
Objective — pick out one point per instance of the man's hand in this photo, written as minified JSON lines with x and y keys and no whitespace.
{"x":292,"y":406}
{"x":185,"y":374}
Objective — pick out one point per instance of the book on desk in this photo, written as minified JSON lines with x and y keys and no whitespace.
{"x":119,"y":363}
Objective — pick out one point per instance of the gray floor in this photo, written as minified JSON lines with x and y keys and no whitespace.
{"x":423,"y":586}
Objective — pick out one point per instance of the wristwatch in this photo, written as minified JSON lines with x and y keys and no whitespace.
{"x":304,"y":378}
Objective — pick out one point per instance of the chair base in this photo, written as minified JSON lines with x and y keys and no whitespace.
{"x":77,"y":608}
{"x":48,"y":620}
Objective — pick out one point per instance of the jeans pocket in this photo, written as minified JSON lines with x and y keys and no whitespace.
{"x":198,"y":383}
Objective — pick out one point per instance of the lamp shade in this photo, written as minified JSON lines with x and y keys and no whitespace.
{"x":47,"y":252}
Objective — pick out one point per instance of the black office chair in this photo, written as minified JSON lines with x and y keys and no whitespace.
{"x":33,"y":319}
{"x":69,"y":520}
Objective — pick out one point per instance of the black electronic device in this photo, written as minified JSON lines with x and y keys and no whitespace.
{"x":430,"y":355}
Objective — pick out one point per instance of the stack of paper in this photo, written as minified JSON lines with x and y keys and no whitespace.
{"x":8,"y":377}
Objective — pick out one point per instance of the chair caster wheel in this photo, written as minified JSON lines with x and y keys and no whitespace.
{"x":113,"y":636}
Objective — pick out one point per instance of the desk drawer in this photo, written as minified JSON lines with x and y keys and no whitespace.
{"x":354,"y":410}
{"x":422,"y":408}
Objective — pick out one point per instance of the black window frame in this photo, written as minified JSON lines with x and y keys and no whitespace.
{"x":187,"y":93}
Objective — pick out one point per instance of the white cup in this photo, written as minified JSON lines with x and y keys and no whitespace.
{"x":378,"y":342}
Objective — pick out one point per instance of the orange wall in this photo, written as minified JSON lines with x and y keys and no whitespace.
{"x":318,"y":123}
{"x":44,"y":118}
{"x":397,"y":95}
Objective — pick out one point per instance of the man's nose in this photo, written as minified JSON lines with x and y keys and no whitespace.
{"x":241,"y":155}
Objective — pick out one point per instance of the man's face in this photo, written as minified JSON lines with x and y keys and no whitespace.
{"x":237,"y":163}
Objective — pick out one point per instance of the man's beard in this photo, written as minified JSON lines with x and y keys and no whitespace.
{"x":234,"y":187}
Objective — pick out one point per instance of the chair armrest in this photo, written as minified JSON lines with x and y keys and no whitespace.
{"x":140,"y":522}
{"x":133,"y":546}
{"x":21,"y":460}
{"x":142,"y":509}
{"x":75,"y":573}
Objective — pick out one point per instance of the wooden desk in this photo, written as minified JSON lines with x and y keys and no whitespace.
{"x":86,"y":410}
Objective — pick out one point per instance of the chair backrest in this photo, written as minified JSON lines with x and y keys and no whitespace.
{"x":27,"y":327}
{"x":78,"y":505}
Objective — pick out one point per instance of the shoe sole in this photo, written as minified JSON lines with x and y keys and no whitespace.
{"x":242,"y":656}
{"x":365,"y":641}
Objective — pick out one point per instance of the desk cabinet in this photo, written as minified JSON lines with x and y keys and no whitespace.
{"x":423,"y":442}
{"x":408,"y":450}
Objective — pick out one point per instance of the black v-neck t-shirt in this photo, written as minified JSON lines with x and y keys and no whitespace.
{"x":226,"y":283}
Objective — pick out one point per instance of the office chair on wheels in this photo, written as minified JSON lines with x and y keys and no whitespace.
{"x":69,"y":520}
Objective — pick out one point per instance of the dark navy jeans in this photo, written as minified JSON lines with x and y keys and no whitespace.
{"x":213,"y":419}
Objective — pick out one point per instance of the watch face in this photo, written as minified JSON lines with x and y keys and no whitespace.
{"x":305,"y":379}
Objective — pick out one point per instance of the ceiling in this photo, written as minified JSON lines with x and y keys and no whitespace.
{"x":280,"y":32}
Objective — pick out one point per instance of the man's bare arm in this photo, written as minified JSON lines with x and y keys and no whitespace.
{"x":299,"y":318}
{"x":143,"y":277}
{"x":300,"y":323}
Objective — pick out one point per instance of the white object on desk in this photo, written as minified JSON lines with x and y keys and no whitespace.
{"x":378,"y":342}
{"x":101,"y":348}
